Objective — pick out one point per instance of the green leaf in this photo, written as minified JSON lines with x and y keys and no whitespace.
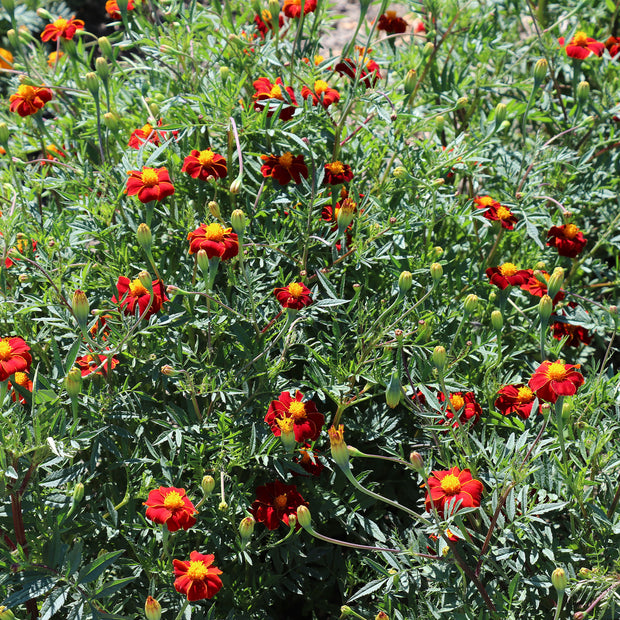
{"x":95,"y":569}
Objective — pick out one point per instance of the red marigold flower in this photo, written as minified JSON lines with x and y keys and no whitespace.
{"x":147,"y":133}
{"x":391,"y":24}
{"x":327,"y":214}
{"x":304,"y":417}
{"x":170,"y":506}
{"x":576,"y":333}
{"x":496,"y":212}
{"x":112,"y":9}
{"x":29,"y":99}
{"x":517,"y":399}
{"x":62,"y":29}
{"x":215,"y":240}
{"x":132,"y":293}
{"x":99,"y":363}
{"x":284,"y":168}
{"x":337,"y":173}
{"x":265,"y":91}
{"x":507,"y":275}
{"x":292,"y":8}
{"x":149,"y":184}
{"x":613,"y":46}
{"x":23,"y":380}
{"x":197,"y":579}
{"x":322,"y":94}
{"x":445,"y":486}
{"x":275,"y":502}
{"x":14,"y":357}
{"x":263,"y":22}
{"x":568,"y":240}
{"x":581,"y":46}
{"x":204,"y":164}
{"x":309,"y":460}
{"x":553,"y":379}
{"x":368,"y":75}
{"x":535,"y":287}
{"x":465,"y":406}
{"x":296,"y":295}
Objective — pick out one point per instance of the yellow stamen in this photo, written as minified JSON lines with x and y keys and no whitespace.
{"x":525,"y":395}
{"x":320,"y":86}
{"x":61,"y":23}
{"x":335,"y":167}
{"x":457,"y":401}
{"x":580,"y":38}
{"x":556,"y":371}
{"x":5,"y":350}
{"x":571,"y":231}
{"x":503,"y":213}
{"x":450,"y":485}
{"x":214,"y":232}
{"x":297,"y":410}
{"x":206,"y":157}
{"x":295,"y":290}
{"x":275,"y":92}
{"x":173,"y":501}
{"x":197,"y":571}
{"x":21,"y":378}
{"x":280,"y":502}
{"x":286,"y":159}
{"x":149,"y":177}
{"x":508,"y":269}
{"x":136,"y":289}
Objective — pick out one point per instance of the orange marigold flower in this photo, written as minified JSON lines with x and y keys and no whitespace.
{"x":391,"y":24}
{"x":295,"y":296}
{"x":132,"y":293}
{"x":337,"y":173}
{"x":6,"y":59}
{"x":307,"y":421}
{"x":149,"y":184}
{"x":170,"y":506}
{"x":14,"y":357}
{"x":275,"y":503}
{"x":464,"y":405}
{"x":215,"y":240}
{"x":197,"y":579}
{"x":444,"y":487}
{"x":54,"y":57}
{"x":496,"y":212}
{"x":23,"y":380}
{"x":518,"y":399}
{"x":554,"y":379}
{"x":284,"y":168}
{"x":95,"y":363}
{"x":292,"y":8}
{"x":507,"y":275}
{"x":29,"y":99}
{"x":581,"y":46}
{"x":322,"y":94}
{"x":568,"y":240}
{"x":62,"y":29}
{"x":205,"y":164}
{"x":111,"y":7}
{"x":284,"y":97}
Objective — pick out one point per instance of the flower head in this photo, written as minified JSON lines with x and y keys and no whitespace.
{"x":337,"y":173}
{"x":112,"y":9}
{"x":518,"y":399}
{"x":292,"y":8}
{"x":29,"y":99}
{"x":62,"y":29}
{"x":14,"y":357}
{"x":368,"y":74}
{"x":534,"y":286}
{"x":283,"y":96}
{"x":275,"y":502}
{"x":309,"y":460}
{"x":23,"y":380}
{"x":496,"y":212}
{"x":149,"y":184}
{"x":6,"y":59}
{"x":445,"y":486}
{"x":465,"y":406}
{"x":132,"y":293}
{"x":554,"y":379}
{"x":215,"y":240}
{"x":307,"y":421}
{"x":95,"y":363}
{"x":284,"y":168}
{"x":507,"y":274}
{"x":568,"y":240}
{"x":196,"y":578}
{"x":576,"y":334}
{"x":321,"y":94}
{"x":296,"y":295}
{"x":613,"y":46}
{"x":170,"y":506}
{"x":146,"y":133}
{"x":264,"y":24}
{"x":204,"y":164}
{"x":391,"y":24}
{"x":581,"y":46}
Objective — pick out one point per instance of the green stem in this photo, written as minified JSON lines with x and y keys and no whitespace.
{"x":182,"y":611}
{"x":558,"y":609}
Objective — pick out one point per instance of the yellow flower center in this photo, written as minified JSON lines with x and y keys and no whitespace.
{"x":280,"y":502}
{"x":485,"y":201}
{"x":508,"y":269}
{"x":296,"y":290}
{"x":524,"y":394}
{"x":266,"y":15}
{"x":149,"y":177}
{"x":580,"y":38}
{"x":146,"y":130}
{"x":457,"y":401}
{"x":348,"y":206}
{"x":5,"y":350}
{"x":26,"y":92}
{"x":318,"y":59}
{"x":450,"y":485}
{"x":556,"y":371}
{"x":61,"y":23}
{"x":390,"y":14}
{"x":503,"y":213}
{"x":197,"y":571}
{"x":206,"y":157}
{"x":570,"y":231}
{"x":214,"y":232}
{"x":335,"y":167}
{"x":275,"y":92}
{"x":297,"y":410}
{"x":21,"y":378}
{"x":173,"y":501}
{"x":286,"y":425}
{"x":136,"y":289}
{"x":320,"y":86}
{"x":286,"y":159}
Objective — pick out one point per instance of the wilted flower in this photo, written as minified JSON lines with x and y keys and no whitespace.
{"x":149,"y":184}
{"x":581,"y":46}
{"x":215,"y":240}
{"x":554,"y":379}
{"x":170,"y":506}
{"x":295,"y":296}
{"x":284,"y":168}
{"x":14,"y":357}
{"x":29,"y":99}
{"x":275,"y":502}
{"x":62,"y":29}
{"x":306,"y":419}
{"x":196,"y":578}
{"x":205,"y":164}
{"x":568,"y":240}
{"x":453,"y":484}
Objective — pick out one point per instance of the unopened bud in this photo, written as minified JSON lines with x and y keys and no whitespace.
{"x":246,"y":529}
{"x":106,"y":47}
{"x":4,"y":134}
{"x":339,"y":451}
{"x":613,"y":310}
{"x":287,"y":433}
{"x":111,"y":120}
{"x":555,"y":282}
{"x":80,"y":307}
{"x":154,"y":108}
{"x":224,"y":73}
{"x":410,"y":81}
{"x":13,"y":38}
{"x":145,"y":238}
{"x":203,"y":261}
{"x":439,"y":357}
{"x":238,"y":221}
{"x":500,"y":113}
{"x":584,"y":572}
{"x":439,"y":182}
{"x":44,"y":14}
{"x":222,"y":506}
{"x":583,"y":92}
{"x":23,"y":278}
{"x":559,"y":580}
{"x":152,"y":609}
{"x":471,"y":303}
{"x":497,"y":320}
{"x":207,"y":485}
{"x":274,"y":8}
{"x":145,"y":280}
{"x":440,"y":122}
{"x":382,"y":616}
{"x":429,"y":48}
{"x":73,"y":382}
{"x":393,"y":392}
{"x":416,"y":460}
{"x":235,"y":186}
{"x":102,"y":68}
{"x":292,"y":521}
{"x":437,"y":251}
{"x":304,"y":518}
{"x":405,"y":281}
{"x":540,"y":70}
{"x":399,"y":172}
{"x":168,"y":371}
{"x":436,"y":273}
{"x":214,"y":208}
{"x":345,"y":214}
{"x":545,"y":307}
{"x":6,"y":614}
{"x":92,"y":83}
{"x":461,"y":102}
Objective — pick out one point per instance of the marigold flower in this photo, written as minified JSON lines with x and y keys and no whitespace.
{"x":99,"y":363}
{"x":306,"y":419}
{"x":112,"y":9}
{"x":391,"y":24}
{"x":453,"y":484}
{"x":535,"y":287}
{"x":554,"y":379}
{"x":568,"y":240}
{"x":284,"y":168}
{"x":266,"y":91}
{"x":204,"y":164}
{"x":215,"y":240}
{"x":14,"y":357}
{"x":507,"y":275}
{"x":146,"y":133}
{"x":496,"y":212}
{"x":309,"y":460}
{"x":275,"y":503}
{"x":6,"y":59}
{"x":517,"y":398}
{"x":368,"y":75}
{"x":149,"y":184}
{"x":62,"y":29}
{"x":613,"y":46}
{"x":54,"y":57}
{"x":576,"y":333}
{"x":29,"y":99}
{"x":197,"y":579}
{"x":263,"y":22}
{"x":465,"y":406}
{"x":581,"y":46}
{"x":295,"y":296}
{"x":322,"y":94}
{"x":292,"y":8}
{"x":170,"y":506}
{"x":337,"y":173}
{"x":132,"y":293}
{"x":23,"y":380}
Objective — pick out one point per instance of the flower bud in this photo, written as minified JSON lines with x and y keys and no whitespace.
{"x":274,"y":8}
{"x":584,"y":572}
{"x":154,"y":108}
{"x":4,"y":134}
{"x":583,"y":91}
{"x":238,"y":221}
{"x":73,"y":382}
{"x":440,"y":122}
{"x":471,"y":303}
{"x":497,"y":320}
{"x":145,"y":238}
{"x":405,"y":281}
{"x":555,"y":282}
{"x":13,"y":38}
{"x":393,"y":392}
{"x":416,"y":460}
{"x":382,"y":616}
{"x":235,"y":186}
{"x":410,"y":81}
{"x":504,"y":126}
{"x":203,"y":261}
{"x":106,"y":47}
{"x":207,"y":485}
{"x":145,"y":280}
{"x":152,"y":609}
{"x":6,"y":614}
{"x":292,"y":521}
{"x":429,"y":48}
{"x":304,"y":518}
{"x":500,"y":113}
{"x":540,"y":70}
{"x":439,"y":357}
{"x":461,"y":102}
{"x":613,"y":310}
{"x":214,"y":208}
{"x":78,"y":493}
{"x":545,"y":307}
{"x":102,"y":68}
{"x":436,"y":273}
{"x":224,"y":73}
{"x":80,"y":307}
{"x":168,"y":371}
{"x":222,"y":506}
{"x":23,"y":278}
{"x":559,"y":580}
{"x":345,"y":214}
{"x":399,"y":172}
{"x":437,"y":251}
{"x":110,"y":120}
{"x":92,"y":83}
{"x":44,"y":14}
{"x":339,"y":451}
{"x":246,"y":529}
{"x":287,"y":433}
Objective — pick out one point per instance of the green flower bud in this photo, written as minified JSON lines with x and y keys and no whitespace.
{"x":111,"y":121}
{"x":92,"y":82}
{"x":207,"y":485}
{"x":559,"y":580}
{"x":145,"y":280}
{"x":81,"y":308}
{"x":410,"y":81}
{"x":429,"y":48}
{"x":222,"y":506}
{"x":235,"y":186}
{"x":44,"y":14}
{"x":500,"y":113}
{"x":4,"y":134}
{"x":102,"y":68}
{"x":440,"y":122}
{"x":246,"y":529}
{"x":6,"y":614}
{"x":238,"y":221}
{"x":304,"y":518}
{"x":393,"y":392}
{"x":555,"y":282}
{"x":215,"y":209}
{"x":471,"y":303}
{"x":437,"y":251}
{"x":439,"y":357}
{"x":13,"y":38}
{"x":415,"y":458}
{"x":292,"y":521}
{"x":405,"y":281}
{"x":545,"y":307}
{"x":287,"y":433}
{"x":399,"y":172}
{"x":145,"y":238}
{"x":436,"y":273}
{"x":203,"y":261}
{"x":540,"y":71}
{"x":382,"y":616}
{"x":73,"y":382}
{"x":152,"y":609}
{"x":339,"y":451}
{"x":106,"y":47}
{"x":583,"y":92}
{"x":224,"y":73}
{"x":497,"y":320}
{"x":78,"y":493}
{"x":461,"y":102}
